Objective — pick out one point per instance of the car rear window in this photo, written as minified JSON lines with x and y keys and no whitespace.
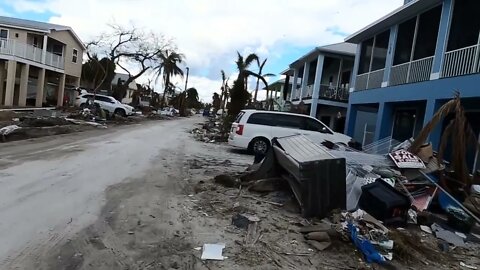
{"x":260,"y":119}
{"x":239,"y":117}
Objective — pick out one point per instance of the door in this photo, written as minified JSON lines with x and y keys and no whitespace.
{"x":404,"y":124}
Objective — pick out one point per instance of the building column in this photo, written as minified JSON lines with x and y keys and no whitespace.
{"x":285,"y":88}
{"x":316,"y":85}
{"x":10,"y":87}
{"x":281,"y":91}
{"x":351,"y":119}
{"x":390,"y":55}
{"x":294,"y":83}
{"x":61,"y":90}
{"x":356,"y":66}
{"x":442,"y":39}
{"x":22,"y":96}
{"x":384,"y":125}
{"x":3,"y":73}
{"x":44,"y":48}
{"x":40,"y":87}
{"x":306,"y":70}
{"x":432,"y":107}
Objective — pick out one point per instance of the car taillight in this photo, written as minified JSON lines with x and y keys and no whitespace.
{"x":239,"y":130}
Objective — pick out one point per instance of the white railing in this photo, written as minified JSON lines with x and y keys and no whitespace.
{"x":333,"y":93}
{"x":411,"y":72}
{"x":296,"y":93}
{"x":361,"y":82}
{"x":308,"y":93}
{"x":461,"y":62}
{"x":370,"y":80}
{"x":22,"y":50}
{"x":375,"y":79}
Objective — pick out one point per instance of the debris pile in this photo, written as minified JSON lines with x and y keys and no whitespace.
{"x":389,"y":205}
{"x":211,"y":131}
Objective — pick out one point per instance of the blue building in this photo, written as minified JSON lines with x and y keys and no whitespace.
{"x":409,"y":63}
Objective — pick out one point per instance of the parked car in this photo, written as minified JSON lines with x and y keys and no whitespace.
{"x":107,"y":103}
{"x":168,"y":111}
{"x":254,"y":130}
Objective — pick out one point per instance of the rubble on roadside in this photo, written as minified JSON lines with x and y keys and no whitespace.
{"x":211,"y":131}
{"x":39,"y":123}
{"x":394,"y":216}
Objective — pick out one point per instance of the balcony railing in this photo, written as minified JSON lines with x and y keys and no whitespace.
{"x":296,"y":93}
{"x":334,"y":93}
{"x":29,"y":52}
{"x":370,"y":80}
{"x":461,"y":62}
{"x":411,"y":72}
{"x":308,"y":93}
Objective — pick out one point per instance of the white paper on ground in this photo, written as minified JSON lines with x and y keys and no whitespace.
{"x":213,"y":252}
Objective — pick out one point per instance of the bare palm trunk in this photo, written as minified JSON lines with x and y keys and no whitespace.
{"x":167,"y":82}
{"x":256,"y":90}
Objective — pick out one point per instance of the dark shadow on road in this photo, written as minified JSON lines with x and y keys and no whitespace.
{"x":240,"y":151}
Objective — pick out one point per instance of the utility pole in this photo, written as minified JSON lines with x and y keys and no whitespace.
{"x":186,"y":80}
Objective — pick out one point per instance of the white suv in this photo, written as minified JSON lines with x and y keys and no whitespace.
{"x":254,"y":130}
{"x":107,"y":103}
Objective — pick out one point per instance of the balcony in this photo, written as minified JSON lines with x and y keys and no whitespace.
{"x":334,"y":93}
{"x":22,"y":50}
{"x":461,"y":62}
{"x":308,"y":93}
{"x":369,"y":80}
{"x":296,"y":94}
{"x":411,"y":72}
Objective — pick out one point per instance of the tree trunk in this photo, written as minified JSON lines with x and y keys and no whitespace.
{"x":167,"y":82}
{"x":256,"y":91}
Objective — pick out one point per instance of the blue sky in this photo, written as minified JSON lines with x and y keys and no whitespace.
{"x":209,"y":32}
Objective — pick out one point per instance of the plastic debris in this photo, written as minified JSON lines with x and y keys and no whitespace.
{"x":369,"y":252}
{"x":213,"y":252}
{"x":426,"y":229}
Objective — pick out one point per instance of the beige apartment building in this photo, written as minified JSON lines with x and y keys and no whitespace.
{"x":38,"y":62}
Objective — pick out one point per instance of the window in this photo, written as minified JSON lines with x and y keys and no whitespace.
{"x":427,"y":33}
{"x":403,"y":50}
{"x":239,"y":117}
{"x":260,"y":119}
{"x":57,"y":49}
{"x":3,"y":33}
{"x":380,"y":50}
{"x":465,"y":26}
{"x":289,"y":121}
{"x":103,"y":99}
{"x":74,"y":56}
{"x":313,"y":125}
{"x":365,"y":56}
{"x":35,"y":42}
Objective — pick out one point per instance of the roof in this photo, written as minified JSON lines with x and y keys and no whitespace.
{"x":399,"y":15}
{"x":343,"y":48}
{"x":37,"y":26}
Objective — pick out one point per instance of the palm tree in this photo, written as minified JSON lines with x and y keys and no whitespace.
{"x":168,"y":68}
{"x":260,"y":69}
{"x":243,"y":65}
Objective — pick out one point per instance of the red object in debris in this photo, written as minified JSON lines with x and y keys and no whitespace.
{"x":239,"y":130}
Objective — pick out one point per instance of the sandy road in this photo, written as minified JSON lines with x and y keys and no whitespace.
{"x":52,"y":188}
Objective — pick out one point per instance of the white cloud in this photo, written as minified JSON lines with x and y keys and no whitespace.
{"x":209,"y":32}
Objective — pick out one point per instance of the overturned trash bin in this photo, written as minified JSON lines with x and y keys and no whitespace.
{"x":317,"y":179}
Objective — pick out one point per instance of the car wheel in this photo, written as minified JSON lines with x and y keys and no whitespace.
{"x":120,"y":112}
{"x":260,"y":145}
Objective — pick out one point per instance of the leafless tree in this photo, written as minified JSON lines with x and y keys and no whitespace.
{"x":132,"y":50}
